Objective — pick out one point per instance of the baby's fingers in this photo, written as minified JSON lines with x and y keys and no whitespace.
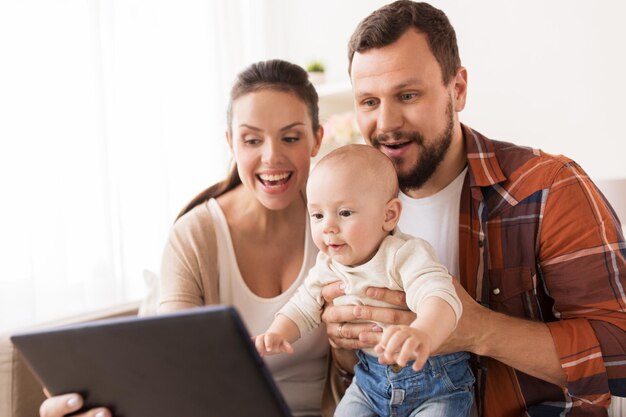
{"x":286,"y":347}
{"x":271,"y":342}
{"x":421,"y":358}
{"x":395,"y":343}
{"x":259,"y":344}
{"x":409,"y":351}
{"x":382,"y":347}
{"x":388,"y":334}
{"x":275,"y":344}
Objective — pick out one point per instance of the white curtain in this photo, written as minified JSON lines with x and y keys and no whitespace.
{"x":112,"y":116}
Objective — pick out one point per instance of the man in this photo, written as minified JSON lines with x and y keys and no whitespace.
{"x":537,"y":249}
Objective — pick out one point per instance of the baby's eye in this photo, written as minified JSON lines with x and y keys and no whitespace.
{"x":317,"y":216}
{"x":345,"y":213}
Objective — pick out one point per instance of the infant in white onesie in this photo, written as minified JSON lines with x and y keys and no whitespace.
{"x":353,"y":205}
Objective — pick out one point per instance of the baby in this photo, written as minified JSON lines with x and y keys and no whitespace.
{"x":353,"y":205}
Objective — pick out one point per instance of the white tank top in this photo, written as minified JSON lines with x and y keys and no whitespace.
{"x":300,"y":376}
{"x":436,"y":220}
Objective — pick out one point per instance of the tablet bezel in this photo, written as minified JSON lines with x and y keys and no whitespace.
{"x":196,"y":362}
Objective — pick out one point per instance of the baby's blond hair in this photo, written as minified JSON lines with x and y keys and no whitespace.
{"x":370,"y":165}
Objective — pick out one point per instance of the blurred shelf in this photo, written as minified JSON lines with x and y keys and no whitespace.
{"x":334,"y":89}
{"x":334,"y":98}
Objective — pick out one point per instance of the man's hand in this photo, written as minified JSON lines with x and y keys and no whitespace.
{"x":344,"y":334}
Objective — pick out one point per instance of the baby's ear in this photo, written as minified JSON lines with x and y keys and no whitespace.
{"x":392,"y":214}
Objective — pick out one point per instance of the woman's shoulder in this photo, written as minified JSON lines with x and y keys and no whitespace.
{"x":197,"y":225}
{"x":199,"y":215}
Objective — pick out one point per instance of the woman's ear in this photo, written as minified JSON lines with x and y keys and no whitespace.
{"x":393,"y":209}
{"x":317,"y":141}
{"x":229,"y":141}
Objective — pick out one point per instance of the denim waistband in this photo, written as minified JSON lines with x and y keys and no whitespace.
{"x":396,"y":372}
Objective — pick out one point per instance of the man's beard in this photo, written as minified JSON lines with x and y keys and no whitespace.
{"x":430,"y":156}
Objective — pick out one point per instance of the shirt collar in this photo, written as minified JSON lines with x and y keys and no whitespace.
{"x":483,"y":165}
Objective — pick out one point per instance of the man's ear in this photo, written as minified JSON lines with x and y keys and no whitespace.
{"x":317,"y":138}
{"x":393,"y":209}
{"x":460,"y":89}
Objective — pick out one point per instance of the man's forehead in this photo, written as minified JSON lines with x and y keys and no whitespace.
{"x":368,"y":79}
{"x":408,"y":58}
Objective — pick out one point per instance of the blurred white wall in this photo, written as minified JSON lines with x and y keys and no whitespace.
{"x":112,"y":115}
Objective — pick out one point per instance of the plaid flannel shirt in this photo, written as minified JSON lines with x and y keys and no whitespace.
{"x":537,"y":240}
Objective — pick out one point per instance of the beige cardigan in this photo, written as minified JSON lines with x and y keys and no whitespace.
{"x":189,"y":268}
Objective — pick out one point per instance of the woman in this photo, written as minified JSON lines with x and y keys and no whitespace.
{"x":249,"y":235}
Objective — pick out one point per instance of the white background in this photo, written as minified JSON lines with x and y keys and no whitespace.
{"x":112,"y":116}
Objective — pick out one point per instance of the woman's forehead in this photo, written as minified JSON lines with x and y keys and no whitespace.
{"x":267,"y":105}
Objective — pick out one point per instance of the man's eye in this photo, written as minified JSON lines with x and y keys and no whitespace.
{"x":369,"y":103}
{"x":407,"y":96}
{"x":345,"y":213}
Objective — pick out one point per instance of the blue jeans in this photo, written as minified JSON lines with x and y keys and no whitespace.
{"x":444,"y":387}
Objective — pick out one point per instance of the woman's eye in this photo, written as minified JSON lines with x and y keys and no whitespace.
{"x":252,"y":141}
{"x":345,"y":213}
{"x":291,"y":139}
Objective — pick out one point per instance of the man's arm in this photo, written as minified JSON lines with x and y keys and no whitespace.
{"x":507,"y":339}
{"x":480,"y":331}
{"x":582,"y":262}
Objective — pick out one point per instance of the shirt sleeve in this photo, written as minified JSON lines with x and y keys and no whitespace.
{"x":422,"y":276}
{"x":581,"y":259}
{"x":304,"y":308}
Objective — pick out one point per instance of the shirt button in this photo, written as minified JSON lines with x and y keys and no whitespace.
{"x":496,"y":291}
{"x":396,"y":368}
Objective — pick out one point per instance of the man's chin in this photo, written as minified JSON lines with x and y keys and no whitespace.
{"x":403,"y":171}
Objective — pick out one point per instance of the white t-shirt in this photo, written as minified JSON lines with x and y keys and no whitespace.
{"x":436,"y":220}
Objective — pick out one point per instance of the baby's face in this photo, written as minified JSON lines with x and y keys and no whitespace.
{"x":347,"y":214}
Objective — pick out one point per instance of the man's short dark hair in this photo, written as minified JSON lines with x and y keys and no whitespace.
{"x":387,"y":24}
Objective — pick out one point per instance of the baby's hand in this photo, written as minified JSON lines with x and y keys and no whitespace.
{"x":271,"y":344}
{"x":401,"y":343}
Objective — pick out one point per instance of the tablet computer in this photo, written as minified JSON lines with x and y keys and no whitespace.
{"x":198,"y":362}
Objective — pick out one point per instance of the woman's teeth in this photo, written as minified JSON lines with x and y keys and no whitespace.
{"x":274,"y":179}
